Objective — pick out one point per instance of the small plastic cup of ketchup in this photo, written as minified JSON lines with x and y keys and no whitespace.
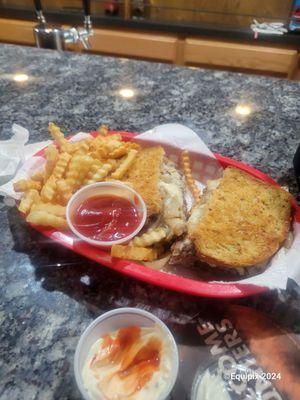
{"x":106,"y":213}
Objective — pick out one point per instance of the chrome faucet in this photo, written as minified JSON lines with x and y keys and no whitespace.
{"x":55,"y":37}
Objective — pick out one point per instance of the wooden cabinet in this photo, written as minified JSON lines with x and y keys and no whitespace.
{"x":16,"y":31}
{"x":235,"y":55}
{"x":135,"y":44}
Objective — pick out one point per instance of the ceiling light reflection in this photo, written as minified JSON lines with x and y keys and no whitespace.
{"x":242,"y":109}
{"x":20,"y":77}
{"x":127,"y":93}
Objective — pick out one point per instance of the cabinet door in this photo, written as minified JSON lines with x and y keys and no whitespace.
{"x":135,"y":44}
{"x":225,"y":54}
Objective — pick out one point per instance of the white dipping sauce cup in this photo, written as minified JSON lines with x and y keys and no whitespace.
{"x":106,"y":189}
{"x":112,"y":321}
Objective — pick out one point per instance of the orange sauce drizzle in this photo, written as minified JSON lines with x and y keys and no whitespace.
{"x":136,"y":367}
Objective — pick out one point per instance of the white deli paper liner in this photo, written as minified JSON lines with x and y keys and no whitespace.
{"x":31,"y":165}
{"x":175,"y":137}
{"x":12,"y":152}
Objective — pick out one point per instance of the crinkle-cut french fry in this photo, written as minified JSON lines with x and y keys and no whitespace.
{"x":94,"y":154}
{"x":123,"y":149}
{"x":57,"y":134}
{"x":64,"y":191}
{"x":150,"y":237}
{"x":100,"y":140}
{"x":30,"y":198}
{"x":94,"y":168}
{"x":51,"y":154}
{"x":101,"y":153}
{"x":78,"y":169}
{"x":132,"y":145}
{"x":88,"y":141}
{"x":44,"y":218}
{"x":96,"y":142}
{"x":112,"y":145}
{"x":113,"y":162}
{"x":100,"y":174}
{"x":61,"y":165}
{"x":133,"y":253}
{"x":38,"y":176}
{"x":68,"y":147}
{"x":55,"y":209}
{"x":26,"y":184}
{"x":83,"y":146}
{"x":64,"y":198}
{"x":186,"y":166}
{"x":103,"y":130}
{"x":62,"y":186}
{"x":125,"y":165}
{"x":48,"y":190}
{"x":119,"y":152}
{"x":100,"y":147}
{"x":109,"y":179}
{"x":96,"y":164}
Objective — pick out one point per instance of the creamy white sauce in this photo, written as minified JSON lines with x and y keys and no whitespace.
{"x":211,"y":387}
{"x":196,"y":216}
{"x":198,"y":211}
{"x":115,"y":389}
{"x":171,"y":189}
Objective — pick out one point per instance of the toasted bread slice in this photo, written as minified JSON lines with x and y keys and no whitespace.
{"x":144,"y":176}
{"x":241,"y":223}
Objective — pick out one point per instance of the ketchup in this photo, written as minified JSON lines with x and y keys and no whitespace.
{"x":106,"y":218}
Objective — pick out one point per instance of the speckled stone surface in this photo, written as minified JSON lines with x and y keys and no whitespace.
{"x":49,"y":295}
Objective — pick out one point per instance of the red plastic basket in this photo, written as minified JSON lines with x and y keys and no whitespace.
{"x":159,"y":278}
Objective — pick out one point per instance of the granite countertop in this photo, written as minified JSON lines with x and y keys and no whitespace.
{"x":48,"y":294}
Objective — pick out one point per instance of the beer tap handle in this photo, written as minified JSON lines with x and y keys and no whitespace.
{"x":39,"y":11}
{"x":87,"y":14}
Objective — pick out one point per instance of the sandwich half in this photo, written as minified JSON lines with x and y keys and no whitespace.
{"x":157,"y":180}
{"x":241,"y":221}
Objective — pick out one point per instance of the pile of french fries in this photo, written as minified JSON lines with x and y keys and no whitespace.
{"x":69,"y":166}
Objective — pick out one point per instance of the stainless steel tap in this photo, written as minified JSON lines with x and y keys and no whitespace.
{"x":55,"y":37}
